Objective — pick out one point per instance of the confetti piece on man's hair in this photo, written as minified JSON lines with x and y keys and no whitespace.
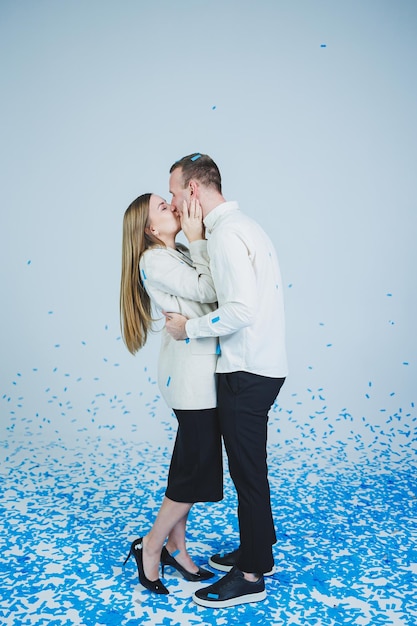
{"x":195,"y":157}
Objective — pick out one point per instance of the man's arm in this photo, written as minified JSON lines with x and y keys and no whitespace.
{"x":235,"y":284}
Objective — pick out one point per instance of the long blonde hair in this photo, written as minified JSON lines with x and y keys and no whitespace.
{"x":135,"y":304}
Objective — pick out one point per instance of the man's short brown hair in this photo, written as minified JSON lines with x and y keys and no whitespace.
{"x":199,"y":167}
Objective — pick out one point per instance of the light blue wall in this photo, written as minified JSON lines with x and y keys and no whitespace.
{"x":308,"y":107}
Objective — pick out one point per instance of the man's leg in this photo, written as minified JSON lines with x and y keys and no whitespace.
{"x":244,"y":401}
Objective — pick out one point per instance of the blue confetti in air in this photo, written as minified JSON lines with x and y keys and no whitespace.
{"x":218,"y":349}
{"x":187,"y":340}
{"x":323,"y":45}
{"x":215,"y":320}
{"x":168,"y":381}
{"x":144,"y":275}
{"x":213,"y":107}
{"x":29,"y":262}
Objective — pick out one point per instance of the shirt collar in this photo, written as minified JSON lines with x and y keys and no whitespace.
{"x":211,"y":219}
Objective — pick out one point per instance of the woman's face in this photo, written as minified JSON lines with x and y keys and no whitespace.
{"x":162,"y":220}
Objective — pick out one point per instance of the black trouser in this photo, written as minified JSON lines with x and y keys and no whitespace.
{"x":244,"y":401}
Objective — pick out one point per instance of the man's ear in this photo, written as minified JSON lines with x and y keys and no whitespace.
{"x":193,"y":188}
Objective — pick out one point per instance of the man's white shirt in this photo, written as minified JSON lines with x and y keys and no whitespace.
{"x":249,"y":319}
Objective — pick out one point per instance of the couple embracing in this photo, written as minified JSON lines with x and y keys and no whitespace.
{"x":222,"y":364}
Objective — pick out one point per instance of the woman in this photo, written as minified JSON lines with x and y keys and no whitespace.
{"x":158,"y":272}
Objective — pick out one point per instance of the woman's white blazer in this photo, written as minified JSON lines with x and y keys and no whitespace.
{"x":180,"y":281}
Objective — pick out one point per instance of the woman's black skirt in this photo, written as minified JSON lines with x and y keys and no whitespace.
{"x":196,"y":469}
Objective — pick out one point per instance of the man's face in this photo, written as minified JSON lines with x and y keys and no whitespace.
{"x":177,"y":191}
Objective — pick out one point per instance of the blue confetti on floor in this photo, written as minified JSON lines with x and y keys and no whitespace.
{"x":74,"y":493}
{"x":346,"y":550}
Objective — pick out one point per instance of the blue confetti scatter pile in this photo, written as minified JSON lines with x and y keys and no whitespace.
{"x":346,"y":550}
{"x":79,"y":483}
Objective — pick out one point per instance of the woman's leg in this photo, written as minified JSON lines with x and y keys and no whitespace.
{"x":196,"y":474}
{"x":176,"y":538}
{"x":170,"y":522}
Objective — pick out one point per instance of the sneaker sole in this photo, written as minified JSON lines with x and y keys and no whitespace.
{"x":221,"y":568}
{"x":218,"y":604}
{"x":227,"y":568}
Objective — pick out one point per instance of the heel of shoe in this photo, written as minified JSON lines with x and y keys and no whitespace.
{"x":127,"y":558}
{"x":169,"y":560}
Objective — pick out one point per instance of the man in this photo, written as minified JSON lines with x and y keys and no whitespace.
{"x":251,"y":368}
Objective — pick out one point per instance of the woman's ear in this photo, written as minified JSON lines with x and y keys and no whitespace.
{"x":150,"y":230}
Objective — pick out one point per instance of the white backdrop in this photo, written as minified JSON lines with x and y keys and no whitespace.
{"x":309,"y":109}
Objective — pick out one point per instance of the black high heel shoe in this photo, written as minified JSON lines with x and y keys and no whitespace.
{"x":156,"y":586}
{"x":168,"y":559}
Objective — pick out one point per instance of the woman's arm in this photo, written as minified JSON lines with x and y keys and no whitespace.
{"x":168,"y":279}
